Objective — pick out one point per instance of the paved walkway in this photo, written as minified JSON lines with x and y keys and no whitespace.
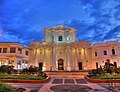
{"x":71,"y":82}
{"x":32,"y":87}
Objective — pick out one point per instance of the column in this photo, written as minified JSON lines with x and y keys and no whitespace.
{"x":68,"y":59}
{"x":53,"y":65}
{"x":56,"y":55}
{"x":36,"y":59}
{"x":76,"y":59}
{"x":54,"y":59}
{"x":16,"y":50}
{"x":8,"y":50}
{"x":24,"y":65}
{"x":15,"y":64}
{"x":44,"y":63}
{"x":2,"y":50}
{"x":85,"y":63}
{"x":21,"y":64}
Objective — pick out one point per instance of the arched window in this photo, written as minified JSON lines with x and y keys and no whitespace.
{"x":60,"y":38}
{"x":113,"y":51}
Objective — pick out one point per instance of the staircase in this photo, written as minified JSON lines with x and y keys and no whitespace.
{"x":66,"y":74}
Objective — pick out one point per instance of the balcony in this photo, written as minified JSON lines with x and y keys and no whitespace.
{"x":13,"y":54}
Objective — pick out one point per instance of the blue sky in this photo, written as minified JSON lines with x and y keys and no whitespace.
{"x":24,"y":20}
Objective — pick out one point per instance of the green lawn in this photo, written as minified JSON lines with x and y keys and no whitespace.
{"x":27,"y":77}
{"x":106,"y":76}
{"x":6,"y":88}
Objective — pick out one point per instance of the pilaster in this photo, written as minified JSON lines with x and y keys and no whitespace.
{"x":36,"y":58}
{"x":76,"y":59}
{"x":68,"y":59}
{"x":85,"y":62}
{"x":44,"y":63}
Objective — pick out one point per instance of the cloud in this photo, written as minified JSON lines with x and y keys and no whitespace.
{"x":112,"y":33}
{"x":24,"y":20}
{"x":82,"y":29}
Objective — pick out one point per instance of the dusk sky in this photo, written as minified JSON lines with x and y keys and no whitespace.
{"x":24,"y":20}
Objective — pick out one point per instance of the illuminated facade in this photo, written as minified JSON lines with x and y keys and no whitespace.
{"x":15,"y":54}
{"x":103,"y":51}
{"x":60,"y":50}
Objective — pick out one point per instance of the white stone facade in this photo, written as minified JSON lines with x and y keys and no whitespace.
{"x":61,"y":50}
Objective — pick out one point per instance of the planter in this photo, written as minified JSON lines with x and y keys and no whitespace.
{"x":25,"y":81}
{"x":102,"y":80}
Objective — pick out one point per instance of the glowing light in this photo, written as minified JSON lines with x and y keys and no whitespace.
{"x":82,"y":50}
{"x":68,"y":38}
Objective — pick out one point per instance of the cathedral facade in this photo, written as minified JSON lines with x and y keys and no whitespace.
{"x":60,"y":51}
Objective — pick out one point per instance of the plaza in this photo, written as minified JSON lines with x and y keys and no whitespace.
{"x":68,"y":85}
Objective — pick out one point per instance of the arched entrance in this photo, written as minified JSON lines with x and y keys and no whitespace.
{"x":60,"y":64}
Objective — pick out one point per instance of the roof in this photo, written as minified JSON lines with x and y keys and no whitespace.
{"x":13,"y":43}
{"x":9,"y":42}
{"x":60,"y":28}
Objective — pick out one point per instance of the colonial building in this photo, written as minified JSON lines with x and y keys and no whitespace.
{"x":60,"y":50}
{"x":104,"y":51}
{"x":13,"y":53}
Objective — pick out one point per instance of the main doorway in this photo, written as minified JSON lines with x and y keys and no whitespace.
{"x":80,"y":65}
{"x":60,"y":64}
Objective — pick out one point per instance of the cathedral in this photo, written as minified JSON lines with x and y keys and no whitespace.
{"x":60,"y":50}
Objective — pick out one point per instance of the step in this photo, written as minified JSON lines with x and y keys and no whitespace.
{"x":66,"y":74}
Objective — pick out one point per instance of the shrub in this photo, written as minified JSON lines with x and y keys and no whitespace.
{"x":6,"y":88}
{"x":26,"y":77}
{"x":107,"y":76}
{"x":3,"y":69}
{"x":25,"y":71}
{"x":33,"y":70}
{"x":117,"y":70}
{"x":95,"y":71}
{"x":6,"y":69}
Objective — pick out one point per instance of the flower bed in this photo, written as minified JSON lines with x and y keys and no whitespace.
{"x":106,"y":76}
{"x":109,"y":80}
{"x":23,"y":78}
{"x":25,"y":81}
{"x":26,"y":77}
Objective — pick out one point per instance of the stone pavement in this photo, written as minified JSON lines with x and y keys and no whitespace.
{"x":71,"y":85}
{"x":31,"y":86}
